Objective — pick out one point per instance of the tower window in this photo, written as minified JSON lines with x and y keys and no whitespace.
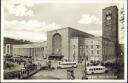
{"x":73,"y":46}
{"x":8,"y":49}
{"x":92,"y":46}
{"x":43,"y":48}
{"x":97,"y":46}
{"x":97,"y":51}
{"x":92,"y":51}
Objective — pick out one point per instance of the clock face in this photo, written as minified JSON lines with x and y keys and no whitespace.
{"x":108,"y":17}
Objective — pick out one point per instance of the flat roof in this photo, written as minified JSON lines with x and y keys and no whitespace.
{"x":72,"y":29}
{"x":33,"y":45}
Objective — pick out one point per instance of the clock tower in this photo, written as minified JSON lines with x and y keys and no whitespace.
{"x":110,"y":23}
{"x":110,"y":28}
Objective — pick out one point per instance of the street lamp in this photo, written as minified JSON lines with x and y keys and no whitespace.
{"x":85,"y":72}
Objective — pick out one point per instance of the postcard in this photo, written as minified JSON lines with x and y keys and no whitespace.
{"x":64,"y":41}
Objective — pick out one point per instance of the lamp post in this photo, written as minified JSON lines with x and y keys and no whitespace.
{"x":85,"y":72}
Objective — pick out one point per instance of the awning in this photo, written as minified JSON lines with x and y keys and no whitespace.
{"x":56,"y":56}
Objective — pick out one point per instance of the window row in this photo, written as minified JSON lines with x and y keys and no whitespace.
{"x":92,"y":51}
{"x":88,"y":46}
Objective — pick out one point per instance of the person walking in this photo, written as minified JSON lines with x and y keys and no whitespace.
{"x":49,"y":64}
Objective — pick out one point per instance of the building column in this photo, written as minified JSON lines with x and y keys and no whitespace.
{"x":22,"y":52}
{"x":34,"y":52}
{"x":37,"y":51}
{"x":42,"y":52}
{"x":25,"y":51}
{"x":28,"y":51}
{"x":31,"y":52}
{"x":19,"y":51}
{"x":14,"y":52}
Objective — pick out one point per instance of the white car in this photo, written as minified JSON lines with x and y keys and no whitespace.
{"x":67,"y":65}
{"x":96,"y":69}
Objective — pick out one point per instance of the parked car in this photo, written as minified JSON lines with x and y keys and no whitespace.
{"x":67,"y":65}
{"x":96,"y":69}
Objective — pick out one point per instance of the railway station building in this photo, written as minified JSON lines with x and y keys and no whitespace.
{"x":74,"y":45}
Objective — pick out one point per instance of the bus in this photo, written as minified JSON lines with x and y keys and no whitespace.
{"x":96,"y":69}
{"x":67,"y":65}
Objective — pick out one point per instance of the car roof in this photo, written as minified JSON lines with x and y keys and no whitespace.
{"x":95,"y":67}
{"x":68,"y":62}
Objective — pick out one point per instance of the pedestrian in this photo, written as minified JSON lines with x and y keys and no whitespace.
{"x":49,"y":64}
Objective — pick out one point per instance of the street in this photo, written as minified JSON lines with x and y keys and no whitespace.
{"x":61,"y":74}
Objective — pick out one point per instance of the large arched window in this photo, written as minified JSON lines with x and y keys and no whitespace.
{"x":57,"y":43}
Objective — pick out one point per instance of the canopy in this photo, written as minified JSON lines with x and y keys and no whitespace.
{"x":55,"y":56}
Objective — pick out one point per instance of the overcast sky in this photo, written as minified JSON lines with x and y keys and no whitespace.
{"x":31,"y":19}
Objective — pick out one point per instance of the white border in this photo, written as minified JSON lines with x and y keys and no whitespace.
{"x":70,"y":1}
{"x":125,"y":42}
{"x":2,"y":25}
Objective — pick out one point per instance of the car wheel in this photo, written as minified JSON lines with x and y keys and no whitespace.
{"x":92,"y":73}
{"x":58,"y":67}
{"x":106,"y":71}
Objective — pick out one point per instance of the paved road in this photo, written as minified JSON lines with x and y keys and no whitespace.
{"x":59,"y":74}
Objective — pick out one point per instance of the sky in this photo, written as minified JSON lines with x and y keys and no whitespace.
{"x":31,"y":19}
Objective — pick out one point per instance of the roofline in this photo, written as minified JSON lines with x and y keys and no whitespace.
{"x":80,"y":31}
{"x":110,"y":7}
{"x":70,"y":28}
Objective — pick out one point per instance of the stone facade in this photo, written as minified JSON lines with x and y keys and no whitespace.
{"x":65,"y":34}
{"x":110,"y":26}
{"x":77,"y":51}
{"x":8,"y":49}
{"x":93,"y":48}
{"x":38,"y":51}
{"x":108,"y":50}
{"x":75,"y":45}
{"x":110,"y":23}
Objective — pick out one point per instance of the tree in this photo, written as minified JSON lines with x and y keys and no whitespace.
{"x":8,"y":40}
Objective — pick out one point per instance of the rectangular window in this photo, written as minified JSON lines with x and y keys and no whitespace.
{"x":97,"y":51}
{"x":97,"y":46}
{"x":92,"y":51}
{"x":87,"y":46}
{"x":92,"y":46}
{"x":73,"y":46}
{"x":8,"y":49}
